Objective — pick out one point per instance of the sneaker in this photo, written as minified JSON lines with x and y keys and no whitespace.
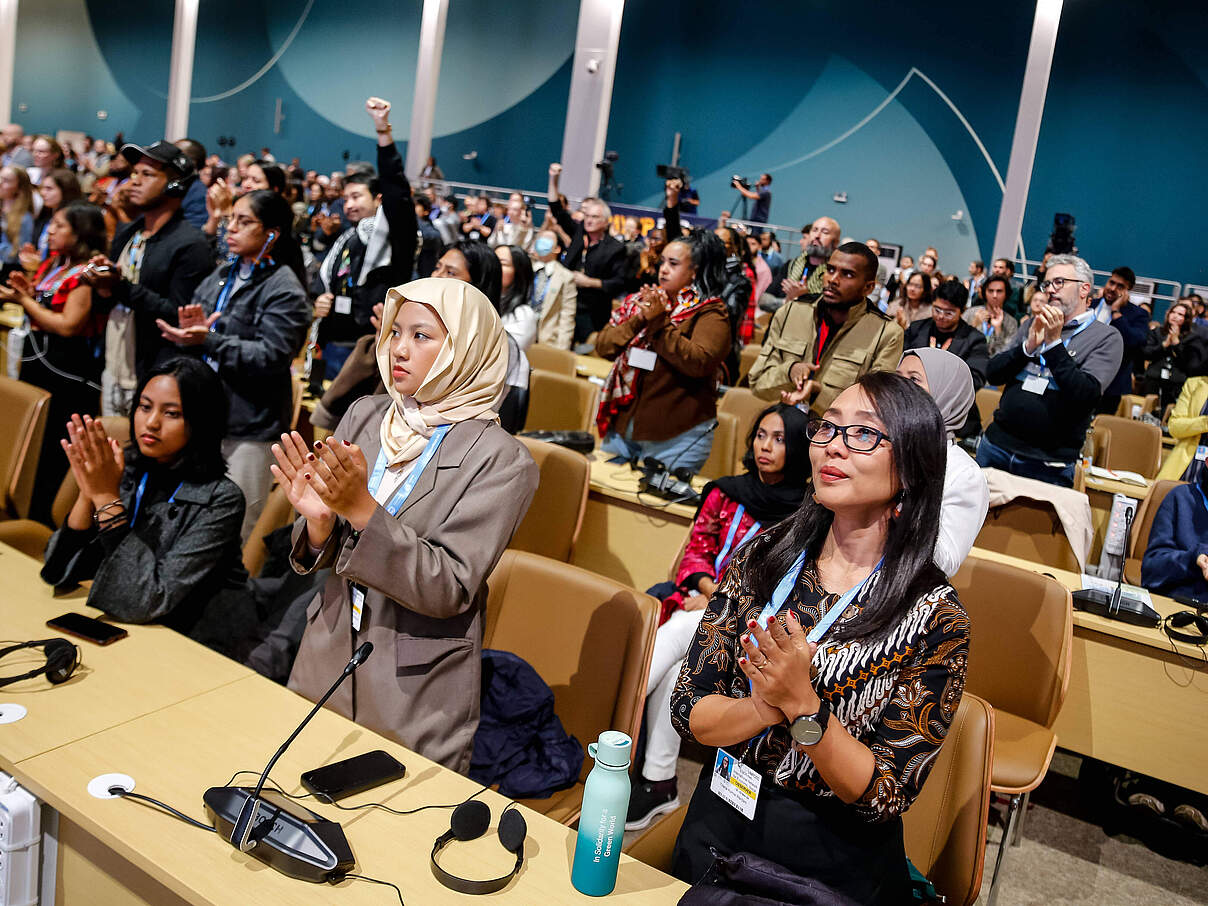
{"x":1192,"y":816}
{"x":649,"y":799}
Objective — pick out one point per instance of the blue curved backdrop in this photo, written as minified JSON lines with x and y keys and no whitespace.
{"x":771,"y":85}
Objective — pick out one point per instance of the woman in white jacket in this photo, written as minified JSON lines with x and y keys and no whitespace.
{"x":966,"y":496}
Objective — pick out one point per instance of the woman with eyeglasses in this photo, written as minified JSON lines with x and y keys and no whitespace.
{"x":831,"y":659}
{"x":946,"y":330}
{"x":248,"y":319}
{"x":914,"y":300}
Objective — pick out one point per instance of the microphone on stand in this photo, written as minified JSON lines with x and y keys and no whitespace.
{"x":294,"y":840}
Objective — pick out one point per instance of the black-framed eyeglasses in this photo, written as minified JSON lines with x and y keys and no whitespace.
{"x":1056,"y":283}
{"x":857,"y":438}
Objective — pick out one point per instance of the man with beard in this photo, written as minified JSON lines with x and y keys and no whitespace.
{"x":1053,"y":374}
{"x":153,"y":266}
{"x":1132,"y":321}
{"x":805,"y":272}
{"x":819,"y":344}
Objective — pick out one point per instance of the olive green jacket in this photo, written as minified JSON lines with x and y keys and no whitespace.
{"x":867,"y":341}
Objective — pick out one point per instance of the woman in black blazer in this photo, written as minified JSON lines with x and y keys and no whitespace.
{"x":155,"y":525}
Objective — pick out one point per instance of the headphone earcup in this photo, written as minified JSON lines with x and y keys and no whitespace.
{"x":512,"y":830}
{"x":61,"y":659}
{"x":470,"y":820}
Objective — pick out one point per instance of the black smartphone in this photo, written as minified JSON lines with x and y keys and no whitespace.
{"x":1197,"y":603}
{"x":87,"y":628}
{"x":353,"y":775}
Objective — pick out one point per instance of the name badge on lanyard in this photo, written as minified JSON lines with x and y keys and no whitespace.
{"x":396,"y":501}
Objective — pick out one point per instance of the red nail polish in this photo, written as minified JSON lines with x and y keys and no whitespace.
{"x":307,"y":476}
{"x":742,"y":660}
{"x":347,"y":444}
{"x":310,"y":457}
{"x":751,"y":624}
{"x":793,"y":614}
{"x":318,"y":445}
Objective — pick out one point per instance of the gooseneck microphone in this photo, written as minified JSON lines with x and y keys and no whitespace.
{"x":296,"y":841}
{"x":241,"y":833}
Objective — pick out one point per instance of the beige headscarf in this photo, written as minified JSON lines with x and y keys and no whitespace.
{"x":466,"y":380}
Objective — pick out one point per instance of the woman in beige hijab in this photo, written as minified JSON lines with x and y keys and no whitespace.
{"x":411,"y":503}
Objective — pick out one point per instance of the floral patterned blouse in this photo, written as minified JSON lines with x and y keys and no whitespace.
{"x":897,"y":694}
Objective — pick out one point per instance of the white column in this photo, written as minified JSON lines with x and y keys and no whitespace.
{"x":180,"y":71}
{"x":1027,"y":127}
{"x":8,"y":56}
{"x":427,"y":79}
{"x":590,"y":99}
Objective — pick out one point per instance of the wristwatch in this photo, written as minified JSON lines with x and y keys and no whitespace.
{"x":808,"y":728}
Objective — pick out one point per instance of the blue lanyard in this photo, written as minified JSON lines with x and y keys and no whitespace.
{"x":1043,"y":371}
{"x":401,"y":495}
{"x":227,"y":288}
{"x":537,"y":302}
{"x":138,"y":496}
{"x":722,"y":557}
{"x":1203,"y":496}
{"x":789,"y":579}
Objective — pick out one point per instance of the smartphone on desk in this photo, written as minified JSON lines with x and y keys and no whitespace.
{"x":87,"y":628}
{"x":353,"y":775}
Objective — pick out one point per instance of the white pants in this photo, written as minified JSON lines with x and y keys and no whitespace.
{"x":670,"y":645}
{"x":247,"y":466}
{"x":115,"y":399}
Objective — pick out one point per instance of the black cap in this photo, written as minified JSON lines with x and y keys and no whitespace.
{"x":161,"y":152}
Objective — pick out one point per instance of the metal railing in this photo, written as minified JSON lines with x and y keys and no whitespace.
{"x":1158,"y":289}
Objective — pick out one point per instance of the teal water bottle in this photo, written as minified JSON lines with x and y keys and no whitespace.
{"x":602,"y":821}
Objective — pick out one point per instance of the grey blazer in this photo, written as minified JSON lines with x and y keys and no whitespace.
{"x":425,"y":574}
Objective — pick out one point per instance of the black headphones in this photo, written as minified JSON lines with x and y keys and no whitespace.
{"x":62,"y":658}
{"x":179,"y":187}
{"x":469,"y":822}
{"x":1187,"y":619}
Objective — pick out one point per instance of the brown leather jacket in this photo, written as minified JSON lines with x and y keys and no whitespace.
{"x":681,"y":391}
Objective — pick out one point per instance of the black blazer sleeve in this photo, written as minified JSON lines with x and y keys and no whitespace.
{"x":399,"y":207}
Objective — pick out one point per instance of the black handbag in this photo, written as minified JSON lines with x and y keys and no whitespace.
{"x":745,"y":879}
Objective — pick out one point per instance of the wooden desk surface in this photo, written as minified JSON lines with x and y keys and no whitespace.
{"x":619,"y":482}
{"x":1143,"y":635}
{"x":148,"y":670}
{"x":176,"y":753}
{"x":1107,"y":486}
{"x":592,"y":366}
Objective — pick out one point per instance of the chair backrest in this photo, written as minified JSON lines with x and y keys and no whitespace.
{"x":588,"y":637}
{"x":117,"y":427}
{"x":559,"y":403}
{"x":277,"y":513}
{"x":1028,"y":529}
{"x":23,"y":411}
{"x":945,"y":828}
{"x":722,"y":454}
{"x":746,"y":359}
{"x":744,"y":405}
{"x":1022,"y":625}
{"x":1136,"y":446}
{"x":551,"y":525}
{"x":1148,"y":508}
{"x":1148,"y":403}
{"x":551,"y":358}
{"x":987,"y":401}
{"x":1103,"y":444}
